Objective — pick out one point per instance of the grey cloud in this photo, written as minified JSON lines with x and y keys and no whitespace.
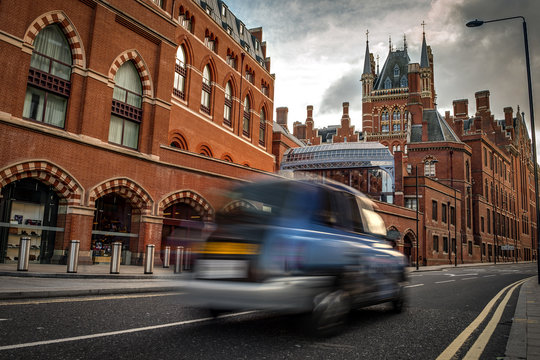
{"x":347,"y":88}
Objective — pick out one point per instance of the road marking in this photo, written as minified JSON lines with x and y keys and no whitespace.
{"x":119,"y":332}
{"x":411,"y":286}
{"x":445,"y":281}
{"x":86,"y":298}
{"x":4,"y":319}
{"x":489,"y":275}
{"x":458,"y":342}
{"x":476,"y":277}
{"x":479,"y":345}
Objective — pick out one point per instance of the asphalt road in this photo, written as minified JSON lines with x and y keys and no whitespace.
{"x":441,"y":305}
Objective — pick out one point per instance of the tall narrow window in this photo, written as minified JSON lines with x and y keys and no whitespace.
{"x":206,"y":90}
{"x":126,"y":113}
{"x":180,"y":74}
{"x":49,"y":77}
{"x":387,"y":83}
{"x":247,"y":117}
{"x":262,"y":128}
{"x":228,"y":105}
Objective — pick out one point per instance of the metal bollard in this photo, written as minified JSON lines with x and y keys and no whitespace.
{"x":179,"y":259}
{"x":187,"y":263}
{"x":149,"y":259}
{"x":73,"y":257}
{"x":116,"y":256}
{"x":167,"y":257}
{"x":24,"y":253}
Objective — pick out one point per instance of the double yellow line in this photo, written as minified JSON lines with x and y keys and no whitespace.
{"x":478,"y":347}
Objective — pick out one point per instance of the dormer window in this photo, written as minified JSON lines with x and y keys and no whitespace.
{"x":396,"y":71}
{"x":256,"y":45}
{"x":229,"y":30}
{"x":208,"y":10}
{"x":403,"y":82}
{"x":158,"y":3}
{"x":223,"y":9}
{"x":242,"y":28}
{"x":387,"y":83}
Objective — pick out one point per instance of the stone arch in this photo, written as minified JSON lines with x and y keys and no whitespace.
{"x":140,"y":65}
{"x":188,"y":197}
{"x":235,"y":204}
{"x":71,"y":33}
{"x":183,"y":40}
{"x":65,"y":185}
{"x":227,"y":157}
{"x":230,"y":78}
{"x":209,"y":60}
{"x":128,"y":189}
{"x":176,"y":137}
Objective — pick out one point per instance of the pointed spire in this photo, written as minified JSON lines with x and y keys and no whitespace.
{"x":390,"y":43}
{"x":377,"y":65}
{"x":404,"y":42}
{"x":424,"y":60}
{"x":367,"y":59}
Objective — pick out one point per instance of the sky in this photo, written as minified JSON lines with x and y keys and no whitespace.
{"x":317,"y":50}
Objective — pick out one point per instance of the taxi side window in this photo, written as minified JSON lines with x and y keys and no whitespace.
{"x":325,"y":209}
{"x":349,"y":214}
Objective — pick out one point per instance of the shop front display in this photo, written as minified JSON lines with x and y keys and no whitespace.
{"x":112,"y":223}
{"x":28,"y":209}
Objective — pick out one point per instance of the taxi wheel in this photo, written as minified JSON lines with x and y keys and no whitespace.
{"x":330,"y":313}
{"x":399,"y":301}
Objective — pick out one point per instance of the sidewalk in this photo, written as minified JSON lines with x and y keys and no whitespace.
{"x":43,"y":280}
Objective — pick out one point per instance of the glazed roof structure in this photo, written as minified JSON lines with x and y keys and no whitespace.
{"x":215,"y":9}
{"x":338,"y":155}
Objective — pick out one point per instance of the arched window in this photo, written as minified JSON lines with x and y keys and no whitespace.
{"x":387,"y":83}
{"x":396,"y":127}
{"x":127,"y":107}
{"x":180,"y":73}
{"x":227,"y":109}
{"x":206,"y":90}
{"x":247,"y":117}
{"x":384,"y":115}
{"x":396,"y":115}
{"x":396,"y":70}
{"x":262,"y":128}
{"x":49,"y":77}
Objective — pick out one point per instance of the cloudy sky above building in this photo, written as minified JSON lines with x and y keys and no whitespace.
{"x":317,"y":50}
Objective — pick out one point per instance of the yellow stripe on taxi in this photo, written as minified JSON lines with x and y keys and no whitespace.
{"x":230,"y":248}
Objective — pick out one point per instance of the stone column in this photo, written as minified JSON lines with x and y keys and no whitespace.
{"x":78,"y":226}
{"x":150,"y":228}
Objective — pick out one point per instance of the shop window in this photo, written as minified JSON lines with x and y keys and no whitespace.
{"x":180,"y":73}
{"x":247,"y":117}
{"x":29,"y":209}
{"x":227,"y":108}
{"x":127,"y":107}
{"x":112,"y":223}
{"x":49,"y":77}
{"x":262,"y":128}
{"x":206,"y":90}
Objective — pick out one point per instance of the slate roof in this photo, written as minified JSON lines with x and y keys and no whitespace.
{"x":438,"y":128}
{"x":399,"y":58}
{"x":278,"y":128}
{"x":229,"y":20}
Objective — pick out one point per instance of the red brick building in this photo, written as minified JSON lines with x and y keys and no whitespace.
{"x":472,"y":175}
{"x":121,"y":118}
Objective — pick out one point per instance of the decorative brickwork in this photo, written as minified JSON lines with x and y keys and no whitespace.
{"x":67,"y":188}
{"x":68,"y":28}
{"x":191,"y":198}
{"x":140,"y":65}
{"x":139,"y":197}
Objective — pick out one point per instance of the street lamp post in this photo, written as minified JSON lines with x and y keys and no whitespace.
{"x":417,"y":235}
{"x":476,"y":23}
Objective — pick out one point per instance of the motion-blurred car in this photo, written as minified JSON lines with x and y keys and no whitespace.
{"x":300,"y":247}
